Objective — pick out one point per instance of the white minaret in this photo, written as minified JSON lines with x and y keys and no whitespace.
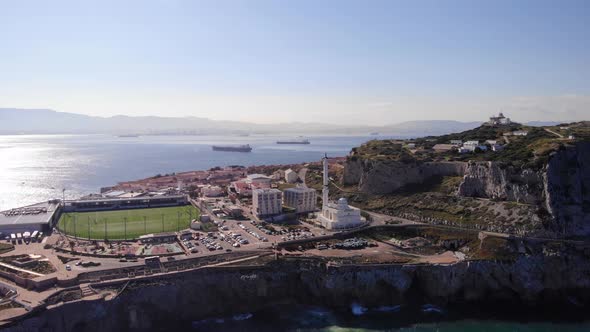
{"x":325,"y":190}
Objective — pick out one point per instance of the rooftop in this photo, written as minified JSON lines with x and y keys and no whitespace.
{"x":39,"y":213}
{"x":300,"y":189}
{"x":116,"y":199}
{"x":257,"y":176}
{"x":266,"y":190}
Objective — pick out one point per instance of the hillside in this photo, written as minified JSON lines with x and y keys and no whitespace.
{"x":536,"y":180}
{"x":530,"y":151}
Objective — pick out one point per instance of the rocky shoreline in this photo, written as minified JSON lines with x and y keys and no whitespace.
{"x":164,"y":301}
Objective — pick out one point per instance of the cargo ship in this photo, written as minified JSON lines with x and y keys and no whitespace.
{"x":232,"y":148}
{"x":301,"y":141}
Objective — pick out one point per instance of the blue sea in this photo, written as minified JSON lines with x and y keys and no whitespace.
{"x":34,"y":168}
{"x":395,"y":318}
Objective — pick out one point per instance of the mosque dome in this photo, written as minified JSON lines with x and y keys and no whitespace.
{"x":342,"y":202}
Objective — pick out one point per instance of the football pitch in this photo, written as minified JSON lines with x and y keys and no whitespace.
{"x":126,"y":224}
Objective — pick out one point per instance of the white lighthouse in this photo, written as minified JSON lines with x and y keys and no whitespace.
{"x":340,"y":215}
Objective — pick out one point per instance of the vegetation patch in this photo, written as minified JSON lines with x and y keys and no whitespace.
{"x":6,"y":247}
{"x":494,"y":248}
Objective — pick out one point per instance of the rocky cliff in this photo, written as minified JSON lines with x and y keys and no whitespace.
{"x":567,"y":189}
{"x":387,"y":176}
{"x":562,"y":187}
{"x":491,"y":180}
{"x":560,"y":190}
{"x":172,"y":302}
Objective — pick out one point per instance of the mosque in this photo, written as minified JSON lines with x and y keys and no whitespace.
{"x":339,"y":215}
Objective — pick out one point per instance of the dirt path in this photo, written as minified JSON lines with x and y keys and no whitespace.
{"x":302,"y":174}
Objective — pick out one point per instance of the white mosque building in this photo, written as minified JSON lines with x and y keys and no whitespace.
{"x":339,"y":215}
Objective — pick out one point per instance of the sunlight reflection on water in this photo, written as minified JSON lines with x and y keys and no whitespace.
{"x":34,"y":168}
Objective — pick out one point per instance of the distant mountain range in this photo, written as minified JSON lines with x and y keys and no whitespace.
{"x":45,"y":121}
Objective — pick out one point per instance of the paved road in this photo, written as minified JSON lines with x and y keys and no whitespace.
{"x":553,"y":132}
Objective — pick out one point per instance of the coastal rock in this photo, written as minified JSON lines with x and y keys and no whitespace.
{"x":169,"y":302}
{"x":567,"y":189}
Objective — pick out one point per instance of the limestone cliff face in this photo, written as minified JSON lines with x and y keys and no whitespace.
{"x":567,"y":189}
{"x":386,"y":176}
{"x":490,"y":180}
{"x":165,"y":303}
{"x":562,"y":187}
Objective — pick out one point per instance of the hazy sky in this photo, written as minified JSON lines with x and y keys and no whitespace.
{"x":348,"y":62}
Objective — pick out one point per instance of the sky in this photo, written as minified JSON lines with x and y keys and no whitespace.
{"x":344,"y":62}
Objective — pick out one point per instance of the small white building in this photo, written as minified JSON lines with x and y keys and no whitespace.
{"x":291,"y":176}
{"x":266,"y":202}
{"x":411,"y":145}
{"x":520,"y":133}
{"x":469,"y":146}
{"x":212,"y":191}
{"x":456,"y":142}
{"x":498,"y":120}
{"x":491,"y":142}
{"x":302,"y":199}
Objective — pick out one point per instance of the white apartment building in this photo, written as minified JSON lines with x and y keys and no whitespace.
{"x":291,"y":176}
{"x":302,"y":199}
{"x":266,"y":202}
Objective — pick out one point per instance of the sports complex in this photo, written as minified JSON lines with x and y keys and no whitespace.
{"x":126,"y":223}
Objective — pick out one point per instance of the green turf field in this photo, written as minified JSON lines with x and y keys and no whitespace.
{"x":126,"y":224}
